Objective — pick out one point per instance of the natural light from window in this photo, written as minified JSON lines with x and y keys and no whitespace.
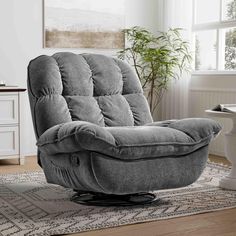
{"x":214,"y":31}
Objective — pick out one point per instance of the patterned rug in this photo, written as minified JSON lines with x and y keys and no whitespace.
{"x":30,"y":206}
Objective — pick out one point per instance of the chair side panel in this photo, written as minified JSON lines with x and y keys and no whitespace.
{"x":48,"y":106}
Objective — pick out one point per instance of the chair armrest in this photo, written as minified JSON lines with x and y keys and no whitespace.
{"x":73,"y":137}
{"x":196,"y":128}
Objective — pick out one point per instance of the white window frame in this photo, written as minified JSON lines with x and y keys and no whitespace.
{"x":218,"y":26}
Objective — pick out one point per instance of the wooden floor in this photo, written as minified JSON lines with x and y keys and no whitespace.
{"x":220,"y":223}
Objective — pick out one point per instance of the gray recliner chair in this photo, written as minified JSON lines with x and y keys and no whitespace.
{"x":95,"y":133}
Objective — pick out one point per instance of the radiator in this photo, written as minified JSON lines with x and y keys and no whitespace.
{"x":202,"y":99}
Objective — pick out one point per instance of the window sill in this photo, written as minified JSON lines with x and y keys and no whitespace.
{"x":212,"y":72}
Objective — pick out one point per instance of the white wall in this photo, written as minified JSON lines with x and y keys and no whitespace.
{"x":21,"y":40}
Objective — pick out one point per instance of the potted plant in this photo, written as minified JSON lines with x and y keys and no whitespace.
{"x":156,"y":59}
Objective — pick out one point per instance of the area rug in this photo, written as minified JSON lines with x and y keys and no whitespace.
{"x":30,"y":206}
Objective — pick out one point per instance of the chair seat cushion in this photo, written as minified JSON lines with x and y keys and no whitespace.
{"x":154,"y":140}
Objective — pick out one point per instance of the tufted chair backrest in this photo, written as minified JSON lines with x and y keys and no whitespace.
{"x":67,"y":87}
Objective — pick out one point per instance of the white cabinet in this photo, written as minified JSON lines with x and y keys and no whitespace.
{"x":9,"y":144}
{"x":10,"y":123}
{"x":9,"y":108}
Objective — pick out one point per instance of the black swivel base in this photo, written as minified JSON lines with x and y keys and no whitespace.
{"x":101,"y":199}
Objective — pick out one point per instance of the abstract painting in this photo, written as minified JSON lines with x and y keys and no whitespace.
{"x":84,"y":24}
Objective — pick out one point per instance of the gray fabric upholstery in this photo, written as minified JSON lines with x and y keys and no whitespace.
{"x":94,"y":88}
{"x":92,"y":171}
{"x":130,"y":143}
{"x":95,"y":132}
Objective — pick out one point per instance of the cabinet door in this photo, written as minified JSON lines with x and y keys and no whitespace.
{"x":9,"y":141}
{"x":8,"y":109}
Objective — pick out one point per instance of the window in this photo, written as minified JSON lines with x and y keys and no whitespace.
{"x":214,"y":28}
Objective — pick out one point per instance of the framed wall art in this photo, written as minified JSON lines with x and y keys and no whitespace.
{"x":84,"y":24}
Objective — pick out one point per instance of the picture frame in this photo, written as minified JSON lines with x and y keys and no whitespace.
{"x":83,"y":24}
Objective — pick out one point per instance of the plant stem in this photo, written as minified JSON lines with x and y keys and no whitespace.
{"x":135,"y":65}
{"x":151,"y":91}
